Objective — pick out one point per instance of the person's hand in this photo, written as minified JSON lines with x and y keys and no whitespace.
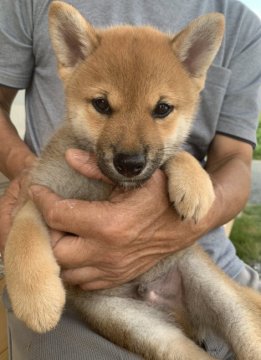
{"x":104,"y":244}
{"x":9,"y":202}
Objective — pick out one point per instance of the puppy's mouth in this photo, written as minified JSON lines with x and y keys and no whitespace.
{"x":129,"y":171}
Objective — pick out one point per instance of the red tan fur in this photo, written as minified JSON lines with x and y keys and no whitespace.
{"x":133,"y":69}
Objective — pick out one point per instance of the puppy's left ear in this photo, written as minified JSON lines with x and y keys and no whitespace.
{"x":197,"y":45}
{"x":73,"y":38}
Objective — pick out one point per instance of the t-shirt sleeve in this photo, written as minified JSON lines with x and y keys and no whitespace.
{"x":242,"y":102}
{"x":16,"y":52}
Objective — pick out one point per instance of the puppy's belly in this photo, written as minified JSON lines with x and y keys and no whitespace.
{"x":167,"y":294}
{"x":165,"y":291}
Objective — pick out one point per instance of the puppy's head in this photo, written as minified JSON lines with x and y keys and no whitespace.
{"x":131,"y":92}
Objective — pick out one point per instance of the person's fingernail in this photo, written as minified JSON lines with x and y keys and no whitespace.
{"x":79,"y":155}
{"x":34,"y":190}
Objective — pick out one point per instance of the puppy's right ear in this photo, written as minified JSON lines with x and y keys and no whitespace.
{"x":73,"y":38}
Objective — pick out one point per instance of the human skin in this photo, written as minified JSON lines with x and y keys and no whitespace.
{"x":125,"y":236}
{"x":120,"y":238}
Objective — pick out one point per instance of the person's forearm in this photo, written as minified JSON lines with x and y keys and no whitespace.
{"x":14,"y":153}
{"x":231,"y":180}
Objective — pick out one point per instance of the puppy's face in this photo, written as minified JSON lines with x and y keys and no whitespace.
{"x":131,"y":92}
{"x":133,"y":101}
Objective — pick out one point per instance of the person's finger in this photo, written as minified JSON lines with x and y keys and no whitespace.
{"x":97,"y":285}
{"x":85,"y":218}
{"x":75,"y":252}
{"x":12,"y":191}
{"x":81,"y":276}
{"x":8,"y":203}
{"x":6,"y":221}
{"x":106,"y":281}
{"x":67,"y":215}
{"x":55,"y":236}
{"x":85,"y":163}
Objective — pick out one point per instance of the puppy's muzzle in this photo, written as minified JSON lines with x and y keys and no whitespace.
{"x":129,"y":165}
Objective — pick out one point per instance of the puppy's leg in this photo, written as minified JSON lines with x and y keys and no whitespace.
{"x":32,"y":274}
{"x":215,"y":301}
{"x":139,"y":328}
{"x":190,"y":187}
{"x":212,"y":298}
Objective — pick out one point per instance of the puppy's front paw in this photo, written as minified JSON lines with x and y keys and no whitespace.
{"x":192,"y":199}
{"x":39,"y":303}
{"x":32,"y":273}
{"x":190,"y":188}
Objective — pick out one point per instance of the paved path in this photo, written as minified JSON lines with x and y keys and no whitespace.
{"x":255,"y":197}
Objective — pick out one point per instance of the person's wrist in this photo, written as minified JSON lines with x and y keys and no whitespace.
{"x":29,"y":161}
{"x":20,"y":162}
{"x":212,"y":219}
{"x":188,"y":232}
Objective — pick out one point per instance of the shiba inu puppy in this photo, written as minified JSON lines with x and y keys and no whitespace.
{"x":131,"y":94}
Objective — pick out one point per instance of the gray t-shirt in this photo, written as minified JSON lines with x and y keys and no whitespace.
{"x":229,"y":102}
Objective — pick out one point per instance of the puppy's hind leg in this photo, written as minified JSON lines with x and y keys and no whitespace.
{"x":32,"y":274}
{"x":217,"y":302}
{"x":138,"y":327}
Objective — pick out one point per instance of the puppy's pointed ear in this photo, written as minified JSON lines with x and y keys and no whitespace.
{"x":73,"y":38}
{"x":197,"y":45}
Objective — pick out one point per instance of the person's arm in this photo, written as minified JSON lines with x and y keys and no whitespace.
{"x":121,"y":238}
{"x":15,"y":156}
{"x":15,"y":159}
{"x":229,"y":165}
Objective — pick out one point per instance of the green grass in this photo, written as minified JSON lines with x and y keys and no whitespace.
{"x":246,"y":234}
{"x":257,"y":152}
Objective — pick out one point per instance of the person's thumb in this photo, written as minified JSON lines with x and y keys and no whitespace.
{"x":85,"y":163}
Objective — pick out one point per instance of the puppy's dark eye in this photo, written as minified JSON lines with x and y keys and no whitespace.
{"x":162,"y":110}
{"x":102,"y":106}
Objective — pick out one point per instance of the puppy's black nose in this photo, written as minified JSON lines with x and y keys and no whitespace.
{"x":129,"y":165}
